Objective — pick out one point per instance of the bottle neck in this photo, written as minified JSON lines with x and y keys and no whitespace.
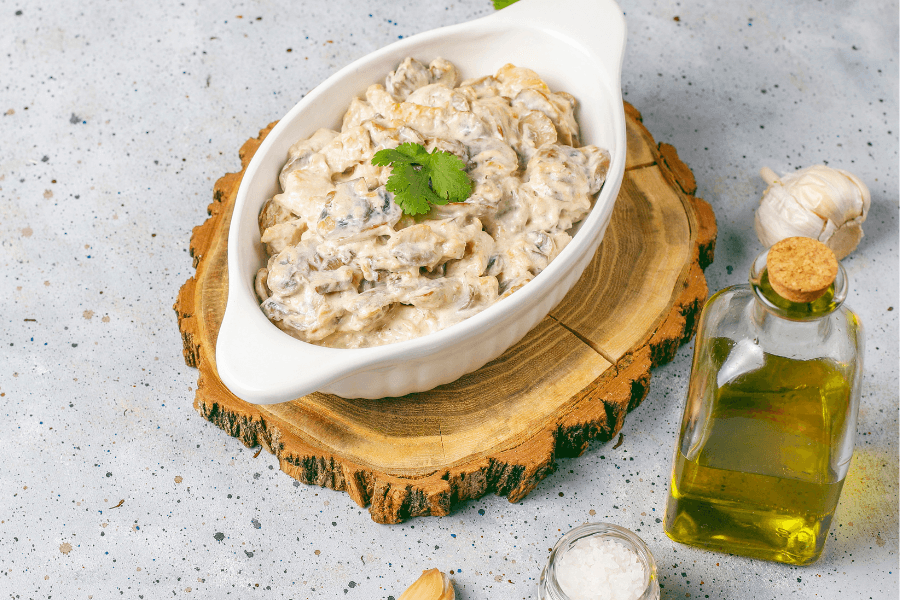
{"x":769,"y":303}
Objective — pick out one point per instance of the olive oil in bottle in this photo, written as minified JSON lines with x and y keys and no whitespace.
{"x":768,"y":429}
{"x":762,"y":481}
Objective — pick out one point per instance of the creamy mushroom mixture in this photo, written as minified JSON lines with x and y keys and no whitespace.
{"x":347,"y":269}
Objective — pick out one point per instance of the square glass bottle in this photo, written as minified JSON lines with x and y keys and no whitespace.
{"x":770,"y":419}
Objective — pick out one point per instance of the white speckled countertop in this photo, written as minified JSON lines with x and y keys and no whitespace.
{"x":116,"y":119}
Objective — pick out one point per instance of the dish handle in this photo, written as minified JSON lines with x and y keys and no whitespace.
{"x":597,"y":25}
{"x":254,"y":370}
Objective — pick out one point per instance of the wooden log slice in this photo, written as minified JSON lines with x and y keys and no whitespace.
{"x":571,"y":380}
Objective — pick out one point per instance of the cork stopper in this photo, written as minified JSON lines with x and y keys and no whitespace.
{"x":801,"y":269}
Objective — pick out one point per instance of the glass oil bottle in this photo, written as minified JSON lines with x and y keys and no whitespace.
{"x":770,"y":419}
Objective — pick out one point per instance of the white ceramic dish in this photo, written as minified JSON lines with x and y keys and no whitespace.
{"x":576,"y":46}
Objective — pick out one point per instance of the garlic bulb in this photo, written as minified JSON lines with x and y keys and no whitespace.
{"x":817,"y":202}
{"x":432,"y":585}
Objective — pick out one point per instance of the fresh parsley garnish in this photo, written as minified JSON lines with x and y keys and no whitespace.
{"x":419,"y":178}
{"x":498,"y":4}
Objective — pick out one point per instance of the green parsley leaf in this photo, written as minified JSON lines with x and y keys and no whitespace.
{"x":408,"y":152}
{"x":498,"y":4}
{"x":411,"y":190}
{"x":448,"y":177}
{"x":420,"y":179}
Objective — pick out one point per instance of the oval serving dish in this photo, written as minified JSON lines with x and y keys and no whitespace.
{"x":574,"y":45}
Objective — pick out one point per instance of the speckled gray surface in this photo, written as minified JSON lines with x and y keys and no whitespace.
{"x":116,"y":119}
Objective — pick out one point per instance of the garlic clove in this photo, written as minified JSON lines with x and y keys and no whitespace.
{"x":431,"y":585}
{"x":824,"y":192}
{"x":846,"y":238}
{"x":780,"y":216}
{"x":818,"y":202}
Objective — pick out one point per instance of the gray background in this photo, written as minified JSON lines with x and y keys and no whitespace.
{"x":116,"y":118}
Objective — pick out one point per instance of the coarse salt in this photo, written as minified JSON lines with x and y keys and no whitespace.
{"x":597,"y":568}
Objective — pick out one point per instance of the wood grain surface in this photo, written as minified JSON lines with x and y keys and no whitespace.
{"x":571,"y":380}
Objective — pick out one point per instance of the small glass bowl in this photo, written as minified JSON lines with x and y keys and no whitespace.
{"x":549,"y":588}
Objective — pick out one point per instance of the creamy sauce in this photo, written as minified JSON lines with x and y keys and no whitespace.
{"x":347,"y":269}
